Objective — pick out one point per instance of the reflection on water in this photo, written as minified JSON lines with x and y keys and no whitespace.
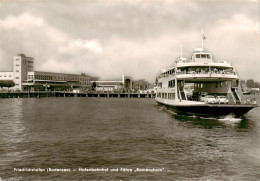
{"x":124,"y":133}
{"x":13,"y":133}
{"x":236,"y":138}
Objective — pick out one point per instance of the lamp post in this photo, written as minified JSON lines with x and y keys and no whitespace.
{"x":28,"y":91}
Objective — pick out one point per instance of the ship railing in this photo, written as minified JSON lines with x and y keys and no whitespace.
{"x":166,"y":75}
{"x":222,"y":61}
{"x":207,"y":72}
{"x":215,"y":61}
{"x":184,"y":61}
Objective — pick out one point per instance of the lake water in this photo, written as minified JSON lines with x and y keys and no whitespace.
{"x":123,"y":139}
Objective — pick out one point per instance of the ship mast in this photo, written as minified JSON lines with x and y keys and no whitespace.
{"x":181,"y":50}
{"x":202,"y":39}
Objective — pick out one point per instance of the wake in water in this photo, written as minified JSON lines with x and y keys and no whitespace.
{"x":230,"y":119}
{"x":164,"y":108}
{"x":209,"y":121}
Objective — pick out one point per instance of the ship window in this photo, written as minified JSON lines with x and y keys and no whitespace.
{"x":171,"y":83}
{"x":197,"y":55}
{"x":203,"y":56}
{"x":208,"y":56}
{"x":171,"y":95}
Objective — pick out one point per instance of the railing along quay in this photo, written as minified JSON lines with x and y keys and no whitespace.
{"x":38,"y":94}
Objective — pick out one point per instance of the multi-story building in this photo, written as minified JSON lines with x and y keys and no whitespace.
{"x":26,"y":78}
{"x":111,"y":85}
{"x":37,"y":80}
{"x":6,"y":75}
{"x":21,"y":66}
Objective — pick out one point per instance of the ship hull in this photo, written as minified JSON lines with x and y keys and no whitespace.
{"x":211,"y":109}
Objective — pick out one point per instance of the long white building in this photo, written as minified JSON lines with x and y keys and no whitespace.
{"x":25,"y":77}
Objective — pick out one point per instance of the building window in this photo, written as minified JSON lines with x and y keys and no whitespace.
{"x":17,"y":65}
{"x":10,"y":75}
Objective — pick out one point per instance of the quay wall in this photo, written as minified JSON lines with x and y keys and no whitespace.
{"x":38,"y":94}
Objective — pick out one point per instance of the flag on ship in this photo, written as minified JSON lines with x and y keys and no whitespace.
{"x":203,"y":36}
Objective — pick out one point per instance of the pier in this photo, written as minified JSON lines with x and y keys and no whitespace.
{"x":38,"y":94}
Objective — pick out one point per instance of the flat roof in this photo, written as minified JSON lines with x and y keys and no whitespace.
{"x":61,"y":73}
{"x":99,"y":81}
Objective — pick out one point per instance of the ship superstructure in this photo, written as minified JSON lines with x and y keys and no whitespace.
{"x":202,"y":85}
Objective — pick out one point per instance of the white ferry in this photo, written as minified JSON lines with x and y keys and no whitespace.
{"x":201,"y":85}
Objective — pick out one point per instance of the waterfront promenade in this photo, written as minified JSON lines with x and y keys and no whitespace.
{"x":38,"y":94}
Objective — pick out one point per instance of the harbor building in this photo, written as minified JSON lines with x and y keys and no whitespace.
{"x":21,"y":66}
{"x":125,"y":83}
{"x":6,"y":75}
{"x":25,"y":78}
{"x":40,"y":81}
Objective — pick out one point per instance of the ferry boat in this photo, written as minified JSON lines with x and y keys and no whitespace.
{"x":202,"y":86}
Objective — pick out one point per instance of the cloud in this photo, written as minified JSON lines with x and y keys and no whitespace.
{"x":52,"y":49}
{"x":21,"y":22}
{"x":108,"y":39}
{"x":236,"y":39}
{"x":79,"y":45}
{"x":239,"y":22}
{"x":27,"y":25}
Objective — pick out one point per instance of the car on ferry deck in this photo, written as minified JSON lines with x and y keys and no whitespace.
{"x":210,"y":99}
{"x":222,"y":100}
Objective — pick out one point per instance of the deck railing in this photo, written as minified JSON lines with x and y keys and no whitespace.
{"x":214,"y":61}
{"x":207,"y":72}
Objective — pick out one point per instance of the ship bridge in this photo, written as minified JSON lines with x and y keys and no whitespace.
{"x":201,"y":55}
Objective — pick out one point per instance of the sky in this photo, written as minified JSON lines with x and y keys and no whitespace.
{"x":110,"y":38}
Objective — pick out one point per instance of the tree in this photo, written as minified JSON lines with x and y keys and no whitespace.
{"x":127,"y":84}
{"x":10,"y":83}
{"x":7,"y":83}
{"x":141,"y":84}
{"x":257,"y":85}
{"x":243,"y":81}
{"x":93,"y":86}
{"x":2,"y":83}
{"x":250,"y":83}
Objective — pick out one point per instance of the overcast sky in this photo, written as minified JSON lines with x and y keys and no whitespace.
{"x":110,"y":38}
